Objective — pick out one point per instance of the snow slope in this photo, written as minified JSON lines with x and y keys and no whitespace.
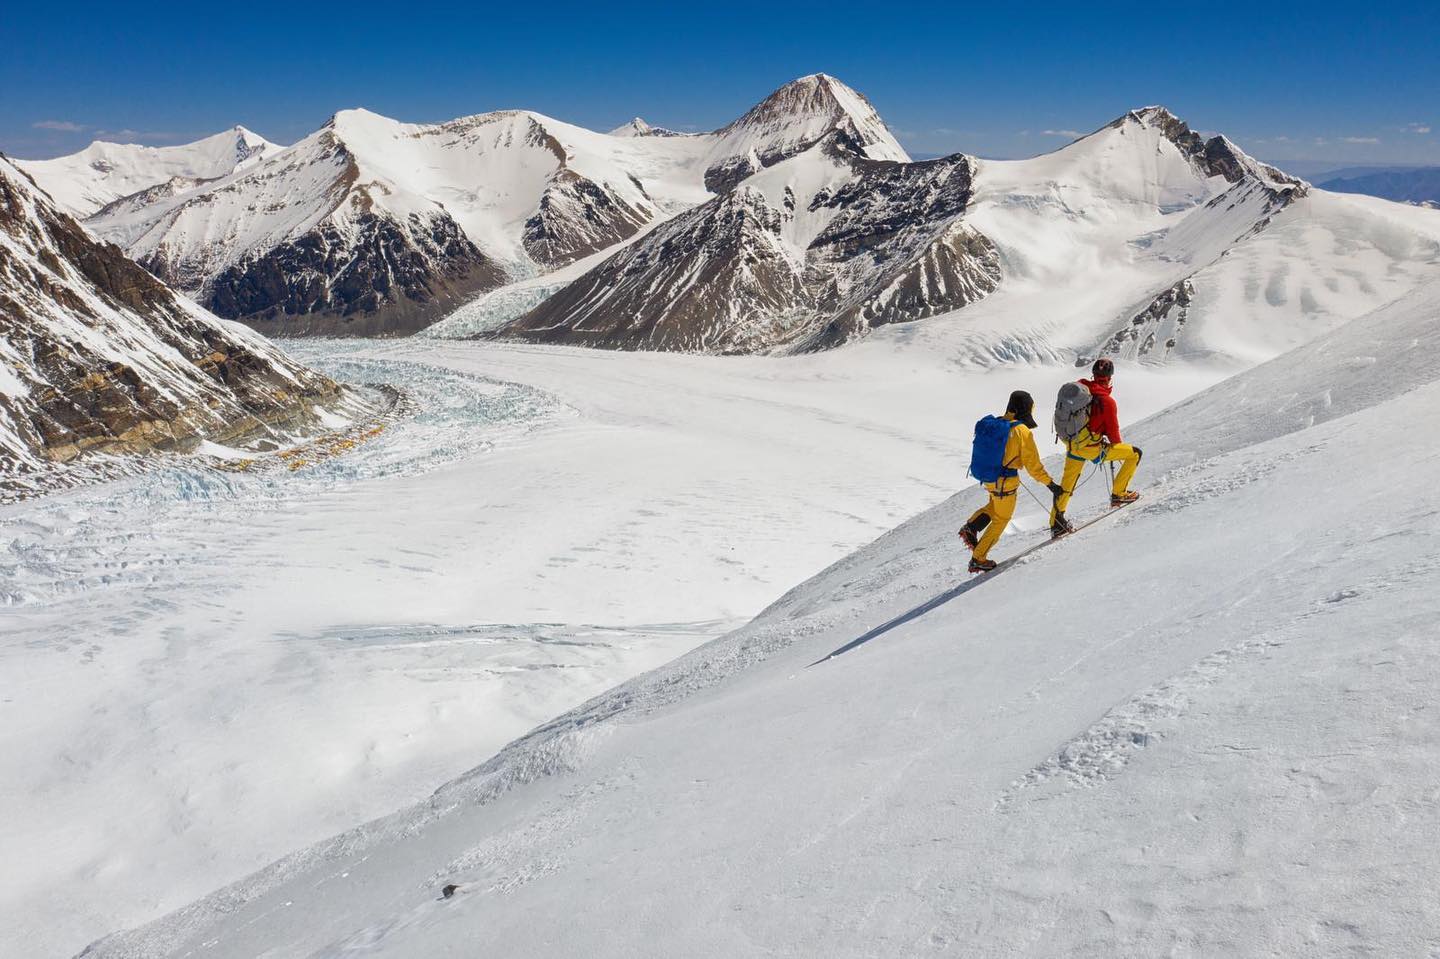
{"x":211,"y":669}
{"x":103,"y":172}
{"x":1201,"y":728}
{"x":1096,"y":239}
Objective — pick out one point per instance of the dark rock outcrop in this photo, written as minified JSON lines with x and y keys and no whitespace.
{"x":1156,"y":329}
{"x":381,"y":280}
{"x":578,"y":217}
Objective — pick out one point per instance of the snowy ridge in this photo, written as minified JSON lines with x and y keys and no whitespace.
{"x":371,"y":225}
{"x":98,"y":355}
{"x":375,"y":227}
{"x":1218,"y":156}
{"x":1223,"y":717}
{"x":102,"y":173}
{"x":1095,"y":239}
{"x":827,"y":245}
{"x":318,"y":229}
{"x":295,"y":244}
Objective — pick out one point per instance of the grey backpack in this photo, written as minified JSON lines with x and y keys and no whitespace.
{"x":1072,"y":410}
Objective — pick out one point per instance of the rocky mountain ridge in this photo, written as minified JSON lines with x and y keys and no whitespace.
{"x":788,"y":258}
{"x":99,"y":356}
{"x":824,"y":246}
{"x":800,"y":225}
{"x":370,"y":226}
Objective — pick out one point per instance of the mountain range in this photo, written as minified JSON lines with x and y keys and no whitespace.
{"x":799,"y":226}
{"x":371,"y":226}
{"x":1418,"y":185}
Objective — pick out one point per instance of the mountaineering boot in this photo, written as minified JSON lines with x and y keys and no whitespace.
{"x":982,"y":565}
{"x":1062,"y":527}
{"x":969,"y":537}
{"x":1120,"y":499}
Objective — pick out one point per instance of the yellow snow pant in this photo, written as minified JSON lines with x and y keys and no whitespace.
{"x":995,"y":515}
{"x":1086,"y":448}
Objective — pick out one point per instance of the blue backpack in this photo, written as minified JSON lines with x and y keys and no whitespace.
{"x":987,"y":455}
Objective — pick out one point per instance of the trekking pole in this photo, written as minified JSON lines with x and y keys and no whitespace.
{"x":1035,"y":498}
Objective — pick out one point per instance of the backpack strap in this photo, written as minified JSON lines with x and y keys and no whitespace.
{"x":1084,"y":430}
{"x":1006,"y":471}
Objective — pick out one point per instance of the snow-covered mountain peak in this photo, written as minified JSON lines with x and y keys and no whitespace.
{"x":639,"y":128}
{"x":635,"y":128}
{"x":790,"y":121}
{"x":1215,"y":156}
{"x":250,"y":145}
{"x":1152,"y":114}
{"x":809,"y":251}
{"x":357,"y":123}
{"x":820,"y":101}
{"x":103,"y":172}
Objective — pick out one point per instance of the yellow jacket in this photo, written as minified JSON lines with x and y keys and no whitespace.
{"x":1020,"y":451}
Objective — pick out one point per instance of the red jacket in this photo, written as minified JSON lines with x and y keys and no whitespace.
{"x":1104,"y":415}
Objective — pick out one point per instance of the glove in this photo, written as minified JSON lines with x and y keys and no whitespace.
{"x":1056,"y":489}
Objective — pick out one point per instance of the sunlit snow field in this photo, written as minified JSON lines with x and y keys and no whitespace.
{"x":204,"y":670}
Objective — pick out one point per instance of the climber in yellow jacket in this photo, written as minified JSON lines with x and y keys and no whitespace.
{"x":983,"y":529}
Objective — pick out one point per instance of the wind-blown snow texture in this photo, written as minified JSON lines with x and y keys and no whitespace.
{"x":1200,"y":728}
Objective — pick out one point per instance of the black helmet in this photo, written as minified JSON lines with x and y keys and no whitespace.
{"x":1022,"y":405}
{"x":1103,"y":369}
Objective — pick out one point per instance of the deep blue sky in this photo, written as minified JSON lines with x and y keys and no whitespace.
{"x":1319,"y":81}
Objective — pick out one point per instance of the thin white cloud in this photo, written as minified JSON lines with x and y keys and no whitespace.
{"x":1419,"y":128}
{"x":1361,"y":139}
{"x":1062,"y":133}
{"x":61,"y":126}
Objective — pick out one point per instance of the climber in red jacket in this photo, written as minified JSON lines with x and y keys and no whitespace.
{"x":1098,"y":442}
